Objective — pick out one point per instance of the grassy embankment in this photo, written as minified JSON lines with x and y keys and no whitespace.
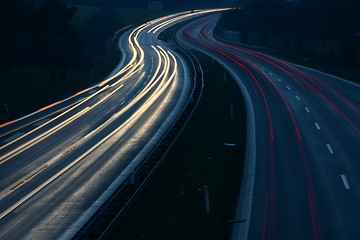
{"x":335,"y":67}
{"x":32,"y":88}
{"x":172,"y":206}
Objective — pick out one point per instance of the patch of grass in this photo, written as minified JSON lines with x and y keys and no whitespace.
{"x":332,"y":66}
{"x":172,"y":206}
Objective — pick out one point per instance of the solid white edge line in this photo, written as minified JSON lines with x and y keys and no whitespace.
{"x":345,"y":181}
{"x":81,"y":221}
{"x":244,"y":201}
{"x":245,"y":197}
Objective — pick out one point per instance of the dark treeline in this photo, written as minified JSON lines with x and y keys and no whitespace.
{"x":38,"y":49}
{"x":37,"y":35}
{"x":336,"y":20}
{"x":168,"y":4}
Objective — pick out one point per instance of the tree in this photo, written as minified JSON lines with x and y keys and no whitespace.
{"x":56,"y":39}
{"x":343,"y":22}
{"x":13,"y":15}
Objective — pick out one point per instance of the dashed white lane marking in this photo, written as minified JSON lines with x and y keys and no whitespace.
{"x":279,"y":80}
{"x":298,"y":98}
{"x":330,"y":148}
{"x":307,"y":110}
{"x":345,"y":181}
{"x":288,"y":87}
{"x":270,"y":73}
{"x":317,"y":126}
{"x":13,"y":137}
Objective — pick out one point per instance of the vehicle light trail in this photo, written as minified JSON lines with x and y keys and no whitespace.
{"x":292,"y":156}
{"x":56,"y":169}
{"x":41,"y":137}
{"x":134,"y":117}
{"x":311,"y":83}
{"x":133,"y":69}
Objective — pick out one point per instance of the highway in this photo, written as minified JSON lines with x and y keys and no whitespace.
{"x":60,"y":161}
{"x":302,"y":170}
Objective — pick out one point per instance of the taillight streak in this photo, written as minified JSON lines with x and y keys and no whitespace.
{"x":269,"y":208}
{"x":313,"y":86}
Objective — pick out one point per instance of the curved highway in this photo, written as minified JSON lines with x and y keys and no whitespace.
{"x":302,"y":172}
{"x":58,"y":162}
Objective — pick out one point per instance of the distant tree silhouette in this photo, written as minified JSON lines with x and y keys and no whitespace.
{"x":37,"y":35}
{"x":343,"y":22}
{"x":55,"y":38}
{"x":13,"y":16}
{"x":323,"y":19}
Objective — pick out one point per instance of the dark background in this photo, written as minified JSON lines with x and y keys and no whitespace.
{"x":168,"y":4}
{"x":50,"y":49}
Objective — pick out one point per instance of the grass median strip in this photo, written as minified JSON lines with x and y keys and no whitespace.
{"x":209,"y":153}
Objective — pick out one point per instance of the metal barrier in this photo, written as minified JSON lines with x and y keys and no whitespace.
{"x":100,"y":225}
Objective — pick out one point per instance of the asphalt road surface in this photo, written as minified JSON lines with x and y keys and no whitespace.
{"x":58,"y":162}
{"x":302,"y":171}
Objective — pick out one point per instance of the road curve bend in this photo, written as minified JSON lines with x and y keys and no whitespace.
{"x":61,"y":161}
{"x":302,"y":171}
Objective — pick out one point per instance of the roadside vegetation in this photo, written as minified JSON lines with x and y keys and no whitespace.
{"x":51,"y":50}
{"x":320,"y":34}
{"x":172,"y":205}
{"x":39,"y":50}
{"x":335,"y":67}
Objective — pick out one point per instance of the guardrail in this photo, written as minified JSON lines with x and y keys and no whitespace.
{"x":103,"y":221}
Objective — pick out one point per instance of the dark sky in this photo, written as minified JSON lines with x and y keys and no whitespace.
{"x":168,"y":4}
